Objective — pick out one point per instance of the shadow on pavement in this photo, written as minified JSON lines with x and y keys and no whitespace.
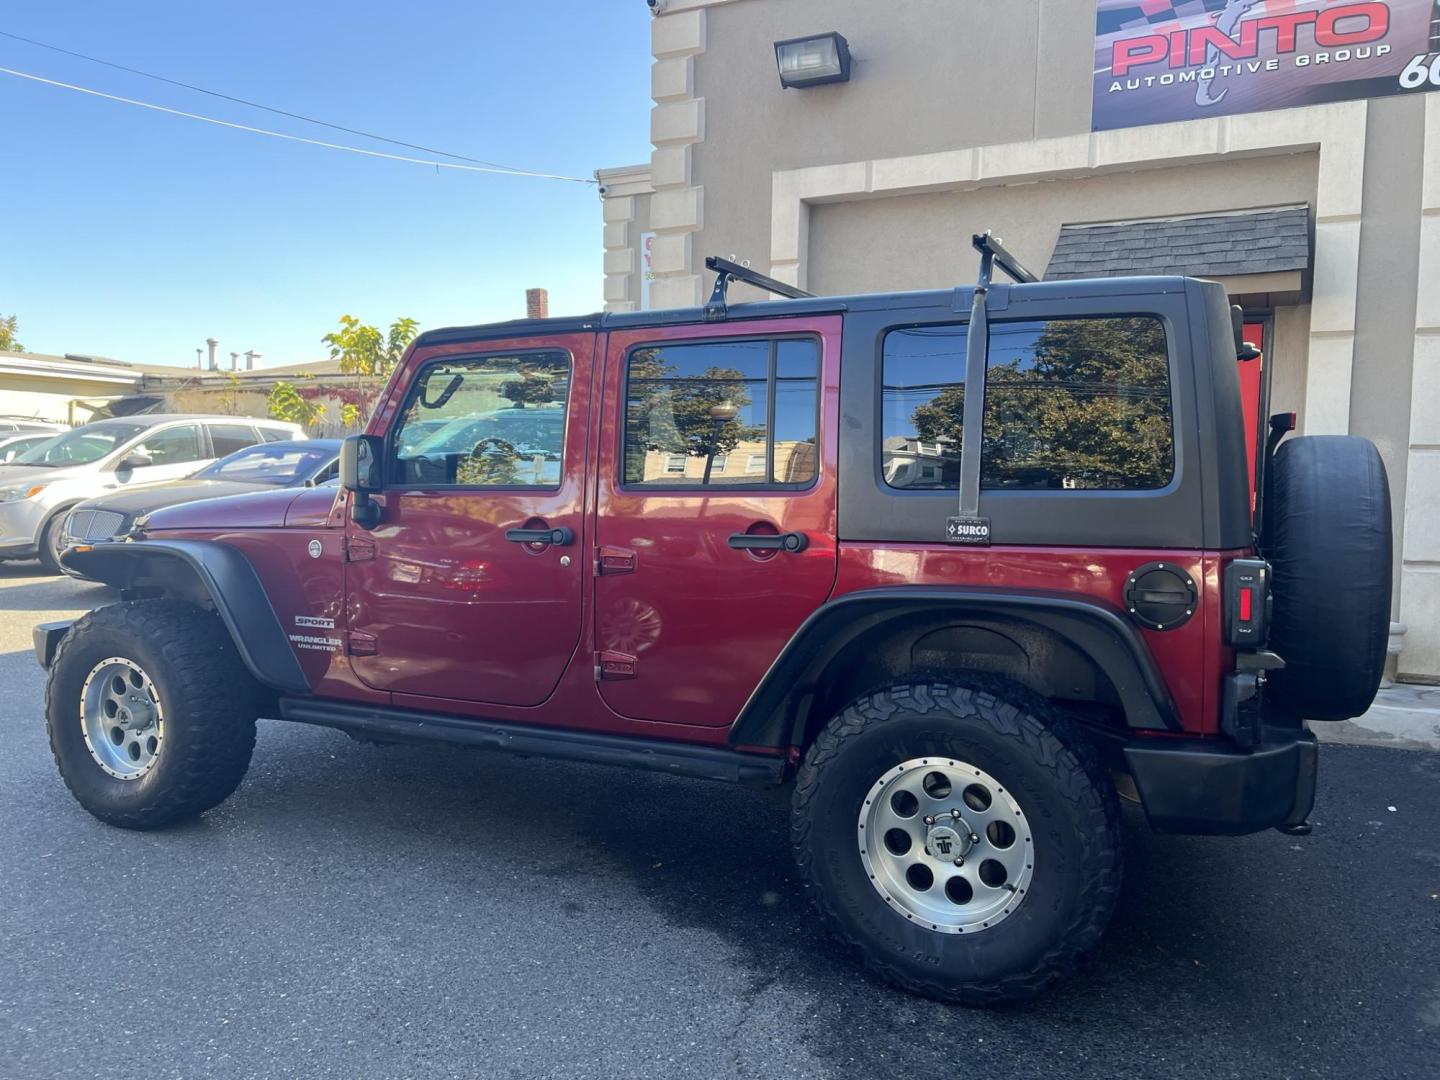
{"x":1246,"y":954}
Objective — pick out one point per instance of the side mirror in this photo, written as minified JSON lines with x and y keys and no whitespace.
{"x":135,"y":460}
{"x":1243,"y":349}
{"x":362,"y":471}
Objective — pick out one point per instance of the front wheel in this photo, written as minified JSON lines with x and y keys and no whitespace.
{"x":52,"y":543}
{"x":965,"y":843}
{"x":151,"y":713}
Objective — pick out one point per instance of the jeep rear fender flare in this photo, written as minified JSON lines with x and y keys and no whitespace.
{"x":208,"y":574}
{"x":774,"y":714}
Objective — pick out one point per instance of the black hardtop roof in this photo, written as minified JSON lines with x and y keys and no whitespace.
{"x":957,"y":300}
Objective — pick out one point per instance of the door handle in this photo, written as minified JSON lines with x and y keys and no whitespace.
{"x":559,"y":537}
{"x":790,"y":541}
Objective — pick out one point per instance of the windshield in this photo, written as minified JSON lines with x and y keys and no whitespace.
{"x":79,"y":447}
{"x":280,"y":464}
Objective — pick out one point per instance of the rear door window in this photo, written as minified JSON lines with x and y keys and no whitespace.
{"x":227,"y":438}
{"x":722,"y":413}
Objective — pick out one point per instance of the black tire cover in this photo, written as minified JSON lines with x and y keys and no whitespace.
{"x":1327,"y":536}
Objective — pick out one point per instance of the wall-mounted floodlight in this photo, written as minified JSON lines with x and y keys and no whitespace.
{"x":811,"y":61}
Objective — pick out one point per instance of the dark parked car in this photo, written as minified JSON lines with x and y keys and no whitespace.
{"x":256,"y":468}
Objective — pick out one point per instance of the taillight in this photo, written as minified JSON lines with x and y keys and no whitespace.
{"x":1247,"y":602}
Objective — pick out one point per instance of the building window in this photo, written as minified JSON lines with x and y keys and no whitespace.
{"x":1070,"y":405}
{"x":487,"y":422}
{"x":697,"y":403}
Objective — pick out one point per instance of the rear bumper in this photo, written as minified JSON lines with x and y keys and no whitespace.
{"x":1214,"y":787}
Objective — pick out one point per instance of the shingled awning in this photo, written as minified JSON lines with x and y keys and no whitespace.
{"x":1230,"y":246}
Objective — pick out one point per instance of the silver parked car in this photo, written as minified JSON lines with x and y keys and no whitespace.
{"x":12,"y":445}
{"x":11,"y":424}
{"x":40,"y":486}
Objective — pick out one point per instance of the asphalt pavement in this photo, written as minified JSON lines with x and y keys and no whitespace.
{"x":360,"y":911}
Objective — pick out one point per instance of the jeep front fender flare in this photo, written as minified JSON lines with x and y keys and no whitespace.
{"x":206,"y":573}
{"x":1097,"y":630}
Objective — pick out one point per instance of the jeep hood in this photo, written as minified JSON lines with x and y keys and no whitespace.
{"x":147,"y":498}
{"x":258,"y":510}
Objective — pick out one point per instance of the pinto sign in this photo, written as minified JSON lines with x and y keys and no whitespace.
{"x":1163,"y":60}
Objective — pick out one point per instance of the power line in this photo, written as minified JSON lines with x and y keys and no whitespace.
{"x":255,"y":104}
{"x":497,"y":169}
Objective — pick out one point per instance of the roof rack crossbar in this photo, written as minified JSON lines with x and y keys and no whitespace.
{"x":993,"y":254}
{"x":727,"y":271}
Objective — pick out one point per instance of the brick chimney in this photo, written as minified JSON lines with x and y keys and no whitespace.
{"x":537,"y":304}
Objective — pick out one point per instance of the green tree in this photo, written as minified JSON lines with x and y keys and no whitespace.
{"x":286,"y":403}
{"x":7,"y":335}
{"x":365,"y":350}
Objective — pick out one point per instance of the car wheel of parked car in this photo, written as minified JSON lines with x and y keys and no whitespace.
{"x":150,"y":713}
{"x":964,"y":841}
{"x":52,"y":543}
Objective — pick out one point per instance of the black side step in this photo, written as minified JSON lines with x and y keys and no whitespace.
{"x":405,"y":725}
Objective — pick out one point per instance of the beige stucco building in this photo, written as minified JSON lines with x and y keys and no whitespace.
{"x":960,"y":117}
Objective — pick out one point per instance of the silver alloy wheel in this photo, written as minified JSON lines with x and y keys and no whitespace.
{"x":946,"y":845}
{"x":121,"y":718}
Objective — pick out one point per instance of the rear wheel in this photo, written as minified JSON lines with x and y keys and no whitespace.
{"x":150,"y":712}
{"x":965,"y":843}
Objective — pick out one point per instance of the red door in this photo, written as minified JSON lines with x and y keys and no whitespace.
{"x":716,"y":510}
{"x":1250,"y":384}
{"x":440,"y":601}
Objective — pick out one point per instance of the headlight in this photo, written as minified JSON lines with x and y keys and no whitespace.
{"x":17,"y":494}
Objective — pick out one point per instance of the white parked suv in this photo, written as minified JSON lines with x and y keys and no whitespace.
{"x":38,"y":487}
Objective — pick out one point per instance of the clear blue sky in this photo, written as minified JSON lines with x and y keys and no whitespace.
{"x":135,"y":235}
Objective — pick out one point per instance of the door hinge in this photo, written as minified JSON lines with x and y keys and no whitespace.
{"x":614,"y":665}
{"x":359,"y":549}
{"x":615,"y":560}
{"x":363,"y":644}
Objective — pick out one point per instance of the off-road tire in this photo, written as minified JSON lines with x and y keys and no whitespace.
{"x":208,"y":700}
{"x":1050,"y":769}
{"x":1328,"y":537}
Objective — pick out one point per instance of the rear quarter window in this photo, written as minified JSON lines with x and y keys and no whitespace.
{"x":1070,"y":405}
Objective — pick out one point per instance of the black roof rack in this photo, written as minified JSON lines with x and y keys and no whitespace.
{"x":992,"y":254}
{"x":727,"y":271}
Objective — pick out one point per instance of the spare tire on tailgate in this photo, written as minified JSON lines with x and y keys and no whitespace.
{"x":1327,"y":536}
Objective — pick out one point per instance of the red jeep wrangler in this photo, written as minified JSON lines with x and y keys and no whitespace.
{"x":960,"y":565}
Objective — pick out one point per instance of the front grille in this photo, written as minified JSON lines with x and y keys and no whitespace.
{"x":90,"y":525}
